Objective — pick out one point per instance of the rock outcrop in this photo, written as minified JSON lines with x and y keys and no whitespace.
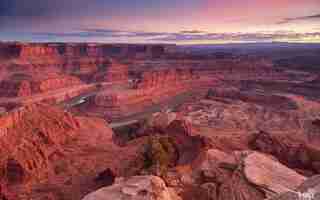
{"x":29,"y":137}
{"x":242,"y":175}
{"x":116,"y":72}
{"x":270,"y":175}
{"x":308,"y":190}
{"x":134,"y":188}
{"x":48,"y":153}
{"x":27,"y":50}
{"x":164,"y":78}
{"x":27,"y":84}
{"x":293,"y":150}
{"x":152,"y":88}
{"x":220,"y":176}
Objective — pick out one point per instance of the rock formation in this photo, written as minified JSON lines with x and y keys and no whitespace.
{"x":27,"y":50}
{"x":270,"y":175}
{"x":21,"y":85}
{"x":41,"y":50}
{"x":156,"y":79}
{"x":116,"y":72}
{"x":29,"y":136}
{"x":293,"y":150}
{"x":153,"y":87}
{"x":134,"y":188}
{"x":255,"y":134}
{"x":243,"y":175}
{"x":42,"y":145}
{"x":309,"y":189}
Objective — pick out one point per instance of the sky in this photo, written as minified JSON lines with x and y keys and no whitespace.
{"x":160,"y":21}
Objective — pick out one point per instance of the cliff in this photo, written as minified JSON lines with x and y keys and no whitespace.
{"x":116,"y":72}
{"x":151,"y":88}
{"x":28,"y":137}
{"x":28,"y":50}
{"x":26,"y":84}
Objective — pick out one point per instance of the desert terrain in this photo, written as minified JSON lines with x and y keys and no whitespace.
{"x":94,"y":121}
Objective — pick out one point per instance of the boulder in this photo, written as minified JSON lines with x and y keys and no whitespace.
{"x":241,"y":175}
{"x":292,"y":150}
{"x":189,"y":144}
{"x":216,"y":164}
{"x":134,"y":188}
{"x":220,"y":176}
{"x":269,"y":174}
{"x":308,"y":190}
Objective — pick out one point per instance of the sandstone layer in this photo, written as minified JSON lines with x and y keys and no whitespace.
{"x":153,"y":87}
{"x":27,"y":50}
{"x":42,"y":145}
{"x":30,"y":136}
{"x":22,"y":85}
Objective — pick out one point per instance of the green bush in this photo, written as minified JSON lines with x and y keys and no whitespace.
{"x":160,"y":153}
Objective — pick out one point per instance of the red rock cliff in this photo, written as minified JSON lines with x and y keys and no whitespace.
{"x":28,"y":50}
{"x":28,"y":137}
{"x":20,"y":85}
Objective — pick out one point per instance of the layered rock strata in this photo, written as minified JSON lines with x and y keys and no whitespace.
{"x":22,"y":85}
{"x":28,"y":137}
{"x":153,"y":87}
{"x":28,"y":50}
{"x":117,"y":72}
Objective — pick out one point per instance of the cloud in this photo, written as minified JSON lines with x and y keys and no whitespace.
{"x":102,"y":33}
{"x":192,"y":32}
{"x":301,"y":18}
{"x":240,"y":37}
{"x":178,"y":37}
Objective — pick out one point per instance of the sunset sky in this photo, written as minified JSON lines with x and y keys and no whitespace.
{"x":160,"y":21}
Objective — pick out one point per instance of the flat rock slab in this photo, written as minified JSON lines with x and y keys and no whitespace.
{"x":270,"y":174}
{"x":309,"y":190}
{"x":134,"y":188}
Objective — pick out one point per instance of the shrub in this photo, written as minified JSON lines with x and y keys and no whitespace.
{"x":160,"y":153}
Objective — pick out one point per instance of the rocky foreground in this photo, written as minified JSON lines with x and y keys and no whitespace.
{"x":47,"y":153}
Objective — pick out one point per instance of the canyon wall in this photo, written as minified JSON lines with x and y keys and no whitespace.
{"x":151,"y":88}
{"x":116,"y":72}
{"x":32,"y":50}
{"x":243,"y":69}
{"x":21,"y":85}
{"x":164,"y":78}
{"x":28,"y":137}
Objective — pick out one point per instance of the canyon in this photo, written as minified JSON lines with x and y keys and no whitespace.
{"x":34,"y":50}
{"x":150,"y":88}
{"x":97,"y":121}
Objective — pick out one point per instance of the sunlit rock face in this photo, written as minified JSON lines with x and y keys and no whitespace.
{"x":43,"y":145}
{"x":27,"y":84}
{"x":164,"y":78}
{"x":134,"y":188}
{"x":29,"y":136}
{"x":242,"y":175}
{"x":293,"y":150}
{"x":309,"y":189}
{"x":151,"y":88}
